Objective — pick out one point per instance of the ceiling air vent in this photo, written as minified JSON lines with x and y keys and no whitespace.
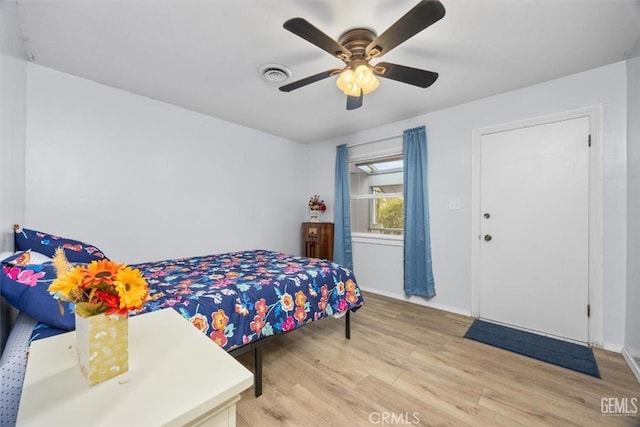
{"x":275,"y":73}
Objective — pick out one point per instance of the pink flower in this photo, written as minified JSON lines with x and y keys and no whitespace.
{"x":26,"y":277}
{"x":343,"y":306}
{"x":288,"y":324}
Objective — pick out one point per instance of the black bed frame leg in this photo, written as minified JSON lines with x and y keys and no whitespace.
{"x":257,"y":376}
{"x":347,"y":325}
{"x":257,"y":358}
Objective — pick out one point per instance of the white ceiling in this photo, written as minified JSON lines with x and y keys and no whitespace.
{"x":205,"y":55}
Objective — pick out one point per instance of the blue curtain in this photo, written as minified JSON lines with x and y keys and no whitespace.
{"x":342,"y":234}
{"x":418,"y":274}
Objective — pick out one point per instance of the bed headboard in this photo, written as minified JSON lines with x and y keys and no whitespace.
{"x":8,"y":314}
{"x":5,"y":322}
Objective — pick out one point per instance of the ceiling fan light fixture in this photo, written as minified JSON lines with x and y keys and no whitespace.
{"x":347,"y":83}
{"x":357,"y":46}
{"x":350,"y":82}
{"x":366,"y":79}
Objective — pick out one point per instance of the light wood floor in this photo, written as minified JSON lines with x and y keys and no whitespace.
{"x":410,"y":364}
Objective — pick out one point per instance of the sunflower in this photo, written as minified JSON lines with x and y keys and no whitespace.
{"x":67,"y":285}
{"x":131,"y":287}
{"x":100,"y":272}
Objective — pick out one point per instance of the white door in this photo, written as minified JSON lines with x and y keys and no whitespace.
{"x":534,"y":199}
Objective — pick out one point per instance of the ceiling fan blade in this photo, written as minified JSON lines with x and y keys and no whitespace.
{"x":301,"y":27}
{"x":417,"y":19}
{"x":404,"y":74}
{"x":308,"y":80}
{"x":354,"y":102}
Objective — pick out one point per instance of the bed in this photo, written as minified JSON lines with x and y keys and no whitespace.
{"x":241,"y":300}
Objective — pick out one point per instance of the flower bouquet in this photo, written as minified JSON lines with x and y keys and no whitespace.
{"x":104,"y":292}
{"x":99,"y":287}
{"x":316,"y":206}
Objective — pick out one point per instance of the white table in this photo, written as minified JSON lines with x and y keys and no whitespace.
{"x":177,"y":376}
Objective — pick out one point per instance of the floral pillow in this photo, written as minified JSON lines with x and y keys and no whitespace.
{"x":74,"y":250}
{"x":25,"y":286}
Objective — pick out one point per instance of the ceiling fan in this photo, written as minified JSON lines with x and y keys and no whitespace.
{"x":358,"y":46}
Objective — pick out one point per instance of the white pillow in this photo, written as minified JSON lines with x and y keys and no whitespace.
{"x":38,"y":258}
{"x":34,"y":257}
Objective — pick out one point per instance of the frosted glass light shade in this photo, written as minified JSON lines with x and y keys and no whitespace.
{"x":350,"y":82}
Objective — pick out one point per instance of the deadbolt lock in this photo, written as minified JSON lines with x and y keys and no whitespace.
{"x":487,"y":237}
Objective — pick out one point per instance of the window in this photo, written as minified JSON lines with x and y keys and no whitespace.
{"x":377,"y":202}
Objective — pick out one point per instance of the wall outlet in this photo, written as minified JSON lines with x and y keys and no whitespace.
{"x":454,"y":204}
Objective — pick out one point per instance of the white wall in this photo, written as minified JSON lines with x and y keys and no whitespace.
{"x":145,"y":180}
{"x":13,"y":79}
{"x":13,"y":72}
{"x":449,"y":131}
{"x":632,"y":337}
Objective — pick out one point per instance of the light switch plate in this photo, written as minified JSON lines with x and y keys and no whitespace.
{"x":454,"y":204}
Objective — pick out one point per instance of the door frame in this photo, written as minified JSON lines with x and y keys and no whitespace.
{"x":595,"y":291}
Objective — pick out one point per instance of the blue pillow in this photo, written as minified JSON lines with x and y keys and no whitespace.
{"x":75,"y":250}
{"x":42,"y":330}
{"x":26,"y":288}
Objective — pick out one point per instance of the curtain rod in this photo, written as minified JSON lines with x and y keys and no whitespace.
{"x":371,"y":142}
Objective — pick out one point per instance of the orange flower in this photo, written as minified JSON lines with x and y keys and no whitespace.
{"x":324,"y":291}
{"x":220,"y":320}
{"x":322,"y":305}
{"x":200,"y":322}
{"x":287,"y":302}
{"x":351,"y":298}
{"x":261,"y":307}
{"x":97,"y":272}
{"x":300,"y":314}
{"x":350,"y":285}
{"x":257,"y":324}
{"x":219,"y":338}
{"x":301,"y":299}
{"x":241,"y":309}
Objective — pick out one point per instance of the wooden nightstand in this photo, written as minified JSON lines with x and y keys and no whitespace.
{"x":317,"y":240}
{"x":177,"y":377}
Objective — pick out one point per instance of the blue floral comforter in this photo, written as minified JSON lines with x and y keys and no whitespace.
{"x":240,"y":297}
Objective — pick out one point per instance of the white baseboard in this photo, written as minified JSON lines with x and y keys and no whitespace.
{"x":616,"y":348}
{"x":419,"y":301}
{"x":632,"y":363}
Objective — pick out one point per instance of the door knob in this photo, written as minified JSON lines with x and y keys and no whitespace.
{"x":487,"y":237}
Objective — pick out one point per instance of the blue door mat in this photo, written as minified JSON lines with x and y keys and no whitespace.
{"x":561,"y":353}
